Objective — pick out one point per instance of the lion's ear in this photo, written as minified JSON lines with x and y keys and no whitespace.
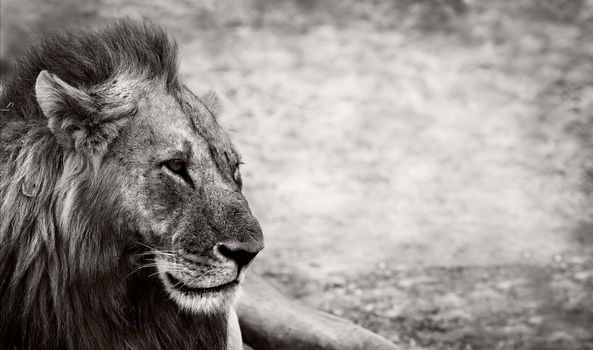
{"x":56,"y":97}
{"x":69,"y":110}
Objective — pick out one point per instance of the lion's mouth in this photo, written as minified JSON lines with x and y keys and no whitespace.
{"x":184,"y":288}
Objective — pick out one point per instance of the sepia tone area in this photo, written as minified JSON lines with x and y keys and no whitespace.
{"x":422,"y":168}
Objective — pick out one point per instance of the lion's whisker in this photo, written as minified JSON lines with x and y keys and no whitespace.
{"x":154,"y":250}
{"x":150,"y":265}
{"x":148,"y":246}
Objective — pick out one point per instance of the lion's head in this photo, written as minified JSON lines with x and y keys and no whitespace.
{"x":117,"y":182}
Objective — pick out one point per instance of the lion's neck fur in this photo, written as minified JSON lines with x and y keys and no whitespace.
{"x":73,"y":289}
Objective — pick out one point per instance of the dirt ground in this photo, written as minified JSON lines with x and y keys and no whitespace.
{"x":422,"y":168}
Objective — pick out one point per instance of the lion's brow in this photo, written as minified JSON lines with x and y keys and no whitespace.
{"x":209,"y":130}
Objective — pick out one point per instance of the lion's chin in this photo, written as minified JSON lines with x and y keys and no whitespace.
{"x":206,"y":301}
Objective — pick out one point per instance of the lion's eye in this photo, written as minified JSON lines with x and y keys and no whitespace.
{"x":179,"y":168}
{"x":175,"y":165}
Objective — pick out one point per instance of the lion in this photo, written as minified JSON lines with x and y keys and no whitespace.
{"x":123,"y":225}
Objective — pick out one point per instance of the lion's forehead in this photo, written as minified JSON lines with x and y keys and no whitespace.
{"x":175,"y":119}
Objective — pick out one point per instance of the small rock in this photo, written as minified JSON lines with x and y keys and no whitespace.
{"x":337,"y":312}
{"x":583,"y":276}
{"x":535,"y":320}
{"x":394,"y":338}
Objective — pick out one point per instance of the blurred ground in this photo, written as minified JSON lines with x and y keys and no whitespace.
{"x":420,"y":167}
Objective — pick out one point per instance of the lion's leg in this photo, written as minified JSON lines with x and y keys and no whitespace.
{"x":270,"y":320}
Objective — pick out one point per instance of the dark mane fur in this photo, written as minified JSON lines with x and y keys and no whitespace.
{"x":73,"y":289}
{"x":87,"y":58}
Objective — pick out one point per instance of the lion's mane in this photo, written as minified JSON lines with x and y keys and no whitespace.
{"x":73,"y":288}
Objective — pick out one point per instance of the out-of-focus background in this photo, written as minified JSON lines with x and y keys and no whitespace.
{"x":423,"y":168}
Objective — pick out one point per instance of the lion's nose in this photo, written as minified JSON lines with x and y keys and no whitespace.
{"x":240,"y":253}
